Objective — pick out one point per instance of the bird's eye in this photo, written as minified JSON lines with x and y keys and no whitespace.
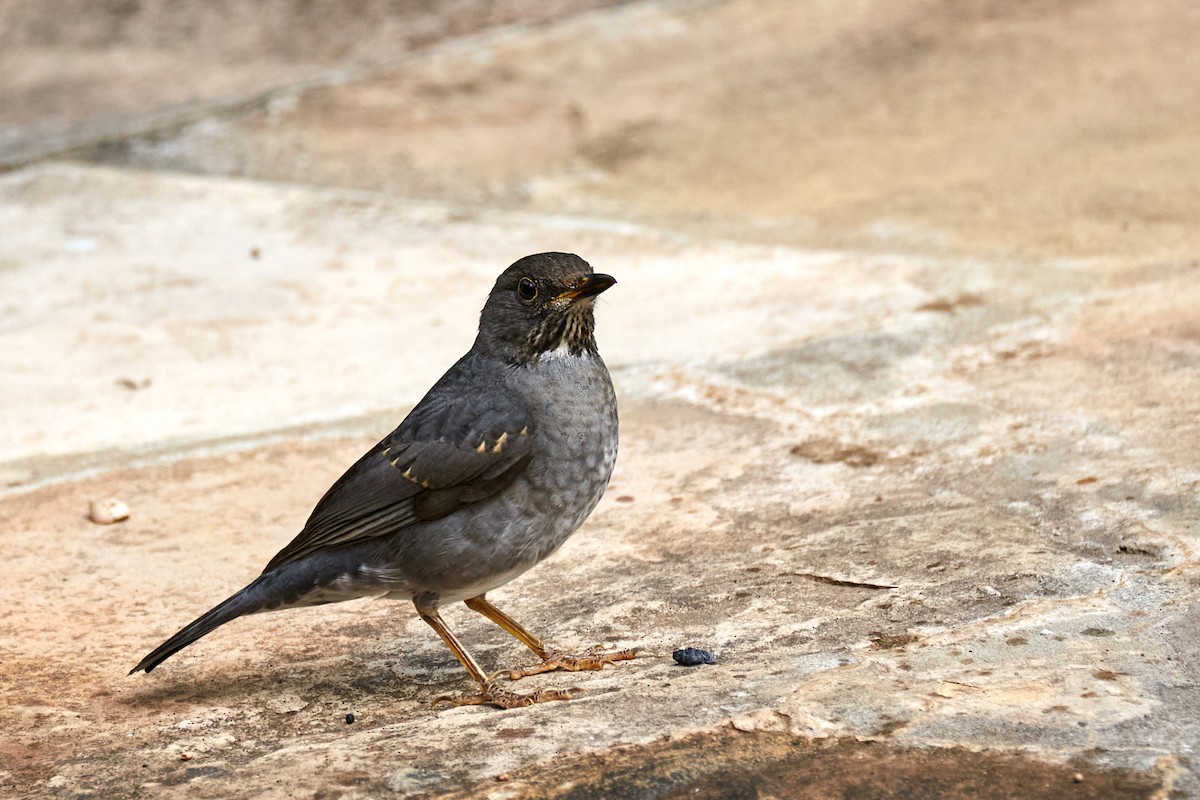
{"x":527,"y":290}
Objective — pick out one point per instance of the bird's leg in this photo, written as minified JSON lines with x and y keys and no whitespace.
{"x":489,"y":691}
{"x":592,"y":659}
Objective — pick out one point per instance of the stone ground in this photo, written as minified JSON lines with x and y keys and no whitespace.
{"x":906,"y":339}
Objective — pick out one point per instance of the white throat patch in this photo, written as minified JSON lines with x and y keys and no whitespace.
{"x":563,"y":351}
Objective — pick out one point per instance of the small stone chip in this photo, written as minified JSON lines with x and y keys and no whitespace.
{"x":692,"y":656}
{"x":349,"y":719}
{"x":106,"y":512}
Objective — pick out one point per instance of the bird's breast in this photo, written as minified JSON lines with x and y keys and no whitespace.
{"x":574,"y":414}
{"x":575,"y":410}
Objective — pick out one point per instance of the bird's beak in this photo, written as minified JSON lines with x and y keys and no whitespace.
{"x":588,"y":286}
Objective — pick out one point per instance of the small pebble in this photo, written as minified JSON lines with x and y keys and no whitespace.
{"x":1077,"y":777}
{"x":692,"y":656}
{"x":106,"y":512}
{"x":502,"y":777}
{"x":349,"y":719}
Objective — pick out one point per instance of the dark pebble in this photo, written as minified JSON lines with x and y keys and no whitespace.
{"x":691,"y":657}
{"x":349,"y":719}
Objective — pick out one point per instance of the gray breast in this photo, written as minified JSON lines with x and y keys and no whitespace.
{"x":577,"y":439}
{"x":494,"y":541}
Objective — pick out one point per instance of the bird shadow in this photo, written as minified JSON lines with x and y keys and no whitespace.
{"x":350,"y":679}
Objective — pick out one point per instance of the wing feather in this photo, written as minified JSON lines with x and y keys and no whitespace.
{"x":455,"y":448}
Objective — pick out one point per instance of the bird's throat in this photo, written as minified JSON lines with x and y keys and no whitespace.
{"x":569,"y":333}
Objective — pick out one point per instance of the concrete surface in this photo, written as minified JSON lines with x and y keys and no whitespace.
{"x":79,"y":72}
{"x":924,"y":475}
{"x":986,"y":127}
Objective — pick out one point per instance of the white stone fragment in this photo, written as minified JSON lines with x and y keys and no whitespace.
{"x":108,"y":511}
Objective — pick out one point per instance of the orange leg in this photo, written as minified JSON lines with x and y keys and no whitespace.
{"x":592,"y":659}
{"x":489,"y":692}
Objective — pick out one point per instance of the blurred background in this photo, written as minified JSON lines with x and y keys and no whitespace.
{"x":973,"y":126}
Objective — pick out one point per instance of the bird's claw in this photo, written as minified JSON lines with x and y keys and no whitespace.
{"x":592,"y":659}
{"x":491,"y":694}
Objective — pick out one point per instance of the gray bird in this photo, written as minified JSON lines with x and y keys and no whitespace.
{"x":501,"y":461}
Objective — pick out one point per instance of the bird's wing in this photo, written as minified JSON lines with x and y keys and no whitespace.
{"x":453,"y":449}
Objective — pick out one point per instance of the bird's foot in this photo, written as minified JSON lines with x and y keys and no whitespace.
{"x":592,"y":659}
{"x":491,"y":694}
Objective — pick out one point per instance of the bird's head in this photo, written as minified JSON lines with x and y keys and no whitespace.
{"x":542,"y":305}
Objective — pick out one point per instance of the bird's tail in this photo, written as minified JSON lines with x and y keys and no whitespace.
{"x":247,"y":601}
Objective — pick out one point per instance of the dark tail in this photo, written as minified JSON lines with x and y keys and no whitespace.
{"x":247,"y":601}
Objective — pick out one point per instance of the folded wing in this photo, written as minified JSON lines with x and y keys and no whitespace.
{"x":447,"y":453}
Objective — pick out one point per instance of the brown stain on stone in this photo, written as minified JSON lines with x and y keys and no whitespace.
{"x":827,"y":451}
{"x":729,"y":764}
{"x":892,"y":641}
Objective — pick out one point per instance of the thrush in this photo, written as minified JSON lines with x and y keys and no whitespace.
{"x":502,"y":460}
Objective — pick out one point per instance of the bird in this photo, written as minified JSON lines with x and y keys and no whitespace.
{"x":490,"y":473}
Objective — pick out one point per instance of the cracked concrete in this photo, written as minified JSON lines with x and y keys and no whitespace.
{"x":930,"y":495}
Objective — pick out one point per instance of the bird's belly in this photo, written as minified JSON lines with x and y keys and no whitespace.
{"x":491,"y":542}
{"x":492,"y":545}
